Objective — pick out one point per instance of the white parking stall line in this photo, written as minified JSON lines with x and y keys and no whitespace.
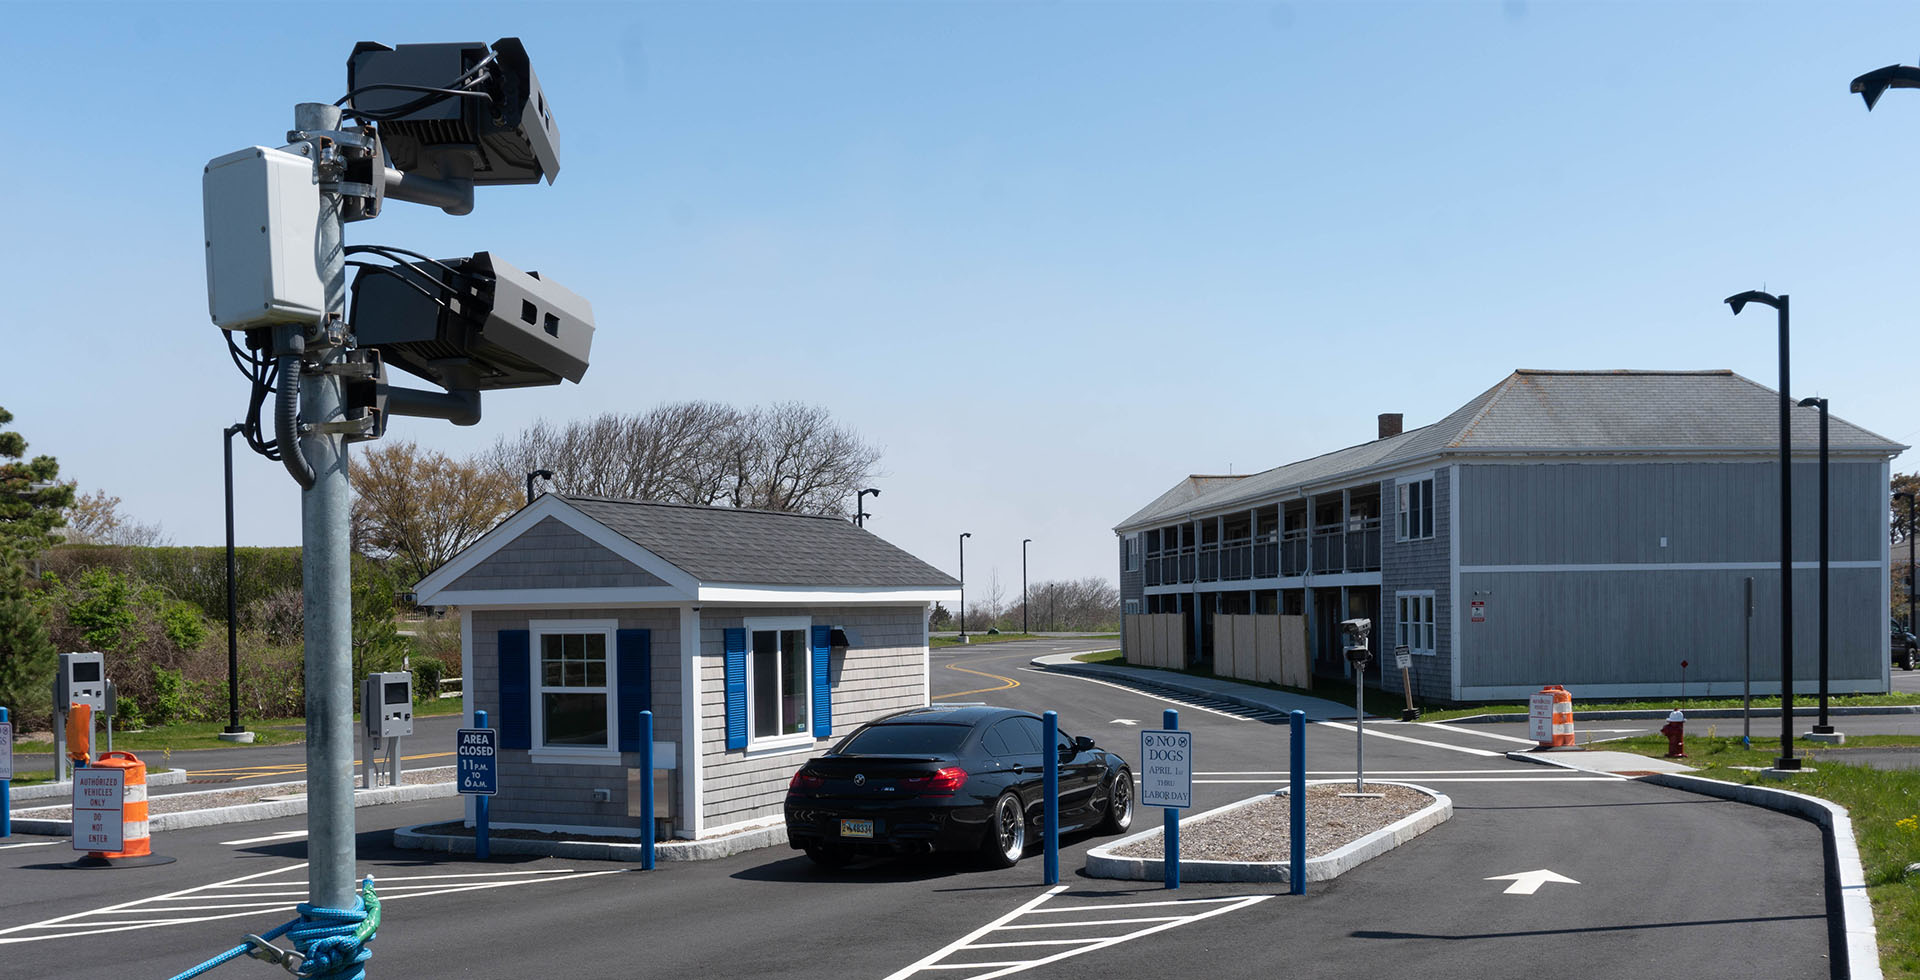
{"x":1164,"y":700}
{"x":284,"y":835}
{"x":1545,"y":777}
{"x":943,"y":959}
{"x":1377,"y":733}
{"x":1470,"y":730}
{"x":220,"y":900}
{"x":33,"y":843}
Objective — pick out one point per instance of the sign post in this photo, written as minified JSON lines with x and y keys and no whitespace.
{"x":1297,"y":803}
{"x":6,"y":775}
{"x":1404,"y":658}
{"x":1050,"y":793}
{"x":1166,"y":781}
{"x":476,"y":751}
{"x":99,"y":796}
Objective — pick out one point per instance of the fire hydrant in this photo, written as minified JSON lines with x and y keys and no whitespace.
{"x":1676,"y":732}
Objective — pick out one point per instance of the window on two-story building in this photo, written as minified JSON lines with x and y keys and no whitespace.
{"x":1415,"y":518}
{"x":1133,"y":607}
{"x":1130,"y":551}
{"x":1413,"y":624}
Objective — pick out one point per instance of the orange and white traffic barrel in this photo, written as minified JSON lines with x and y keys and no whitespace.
{"x":1562,"y":716}
{"x":136,"y":842}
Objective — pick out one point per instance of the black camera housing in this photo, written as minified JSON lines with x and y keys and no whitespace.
{"x":507,"y":138}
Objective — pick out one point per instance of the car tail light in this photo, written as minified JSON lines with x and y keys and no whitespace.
{"x":946,"y":782}
{"x":804,"y":781}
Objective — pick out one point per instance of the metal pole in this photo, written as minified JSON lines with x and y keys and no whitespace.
{"x":1359,"y":728}
{"x":233,"y":636}
{"x":1170,"y":816}
{"x":1911,"y":577}
{"x":1297,"y":805}
{"x":1050,"y":783}
{"x":963,"y":583}
{"x":1746,"y":710}
{"x":480,"y":802}
{"x":1823,"y":727}
{"x":1023,"y":585}
{"x":327,"y":572}
{"x":6,"y":788}
{"x":1786,"y":759}
{"x":646,"y":790}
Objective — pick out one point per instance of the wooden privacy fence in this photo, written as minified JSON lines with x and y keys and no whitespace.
{"x":1269,"y":649}
{"x":1156,"y":640}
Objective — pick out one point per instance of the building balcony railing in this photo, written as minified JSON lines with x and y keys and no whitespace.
{"x":1329,"y":549}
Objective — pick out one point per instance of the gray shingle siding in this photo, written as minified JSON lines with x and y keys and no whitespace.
{"x":539,"y":792}
{"x":1132,"y":584}
{"x":1418,"y":565}
{"x":884,"y":674}
{"x":551,"y":555}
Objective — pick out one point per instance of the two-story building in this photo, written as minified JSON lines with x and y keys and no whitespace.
{"x":1587,"y":528}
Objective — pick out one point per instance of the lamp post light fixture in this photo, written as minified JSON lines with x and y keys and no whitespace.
{"x":1823,"y":727}
{"x":859,"y":505}
{"x":964,"y":535}
{"x":542,"y":474}
{"x":234,"y":732}
{"x":1023,"y":584}
{"x":1910,"y":575}
{"x":1872,"y":85}
{"x":1738,"y":301}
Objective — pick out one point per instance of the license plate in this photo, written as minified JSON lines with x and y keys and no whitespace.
{"x":856,"y":828}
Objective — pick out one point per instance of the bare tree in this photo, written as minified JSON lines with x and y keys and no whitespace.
{"x":95,"y":518}
{"x":420,"y":507}
{"x":1083,"y":605}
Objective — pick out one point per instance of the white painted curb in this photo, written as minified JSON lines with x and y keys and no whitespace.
{"x":1102,"y":862}
{"x":292,"y":805}
{"x":59,"y":791}
{"x":410,"y":838}
{"x":1860,"y":957}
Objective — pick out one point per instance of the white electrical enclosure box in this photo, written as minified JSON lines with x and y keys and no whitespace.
{"x":262,"y":211}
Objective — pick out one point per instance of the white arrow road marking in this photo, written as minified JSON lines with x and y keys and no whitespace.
{"x":36,"y":843}
{"x":283,"y":835}
{"x":1124,"y":721}
{"x":1528,"y":882}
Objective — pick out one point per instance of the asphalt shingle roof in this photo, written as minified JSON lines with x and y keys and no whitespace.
{"x":726,"y":545}
{"x":1607,"y":412}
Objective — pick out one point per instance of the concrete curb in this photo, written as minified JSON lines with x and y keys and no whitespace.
{"x":1858,"y":954}
{"x":56,"y":791}
{"x":1103,"y":863}
{"x":410,"y":838}
{"x":293,"y":805}
{"x":1799,"y":710}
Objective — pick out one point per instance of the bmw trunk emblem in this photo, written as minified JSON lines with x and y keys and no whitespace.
{"x":859,"y":779}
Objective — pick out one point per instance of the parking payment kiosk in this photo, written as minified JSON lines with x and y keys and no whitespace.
{"x":386,"y":708}
{"x":80,"y":682}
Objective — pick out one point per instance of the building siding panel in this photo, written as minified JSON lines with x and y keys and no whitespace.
{"x":552,"y":555}
{"x":1417,"y":566}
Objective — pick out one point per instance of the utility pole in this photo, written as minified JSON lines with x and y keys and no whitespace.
{"x":1023,"y":584}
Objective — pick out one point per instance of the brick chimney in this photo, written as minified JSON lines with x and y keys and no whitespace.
{"x":1389,"y":424}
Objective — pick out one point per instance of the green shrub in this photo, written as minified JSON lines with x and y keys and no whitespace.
{"x":427,"y":674}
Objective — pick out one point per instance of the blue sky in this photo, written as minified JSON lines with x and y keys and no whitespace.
{"x":1051,"y":257}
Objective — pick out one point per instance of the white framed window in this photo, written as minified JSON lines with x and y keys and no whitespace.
{"x":574,"y":666}
{"x":779,"y":681}
{"x":1133,"y":607}
{"x":1130,"y":545}
{"x":1413,"y":624}
{"x":1414,"y":518}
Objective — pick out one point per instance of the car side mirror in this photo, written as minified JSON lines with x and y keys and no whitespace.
{"x":1083,"y":744}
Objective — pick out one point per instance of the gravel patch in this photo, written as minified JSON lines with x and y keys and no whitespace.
{"x":1261,"y":831}
{"x":216,"y":799}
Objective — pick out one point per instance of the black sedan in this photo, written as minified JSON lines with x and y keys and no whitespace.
{"x":950,"y":778}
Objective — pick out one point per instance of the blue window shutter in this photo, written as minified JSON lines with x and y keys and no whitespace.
{"x":516,"y":701}
{"x":634,"y":656}
{"x":822,"y":682}
{"x":736,"y":688}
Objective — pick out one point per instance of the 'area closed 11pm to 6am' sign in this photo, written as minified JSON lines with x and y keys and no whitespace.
{"x":474,"y":750}
{"x":1166,"y":769}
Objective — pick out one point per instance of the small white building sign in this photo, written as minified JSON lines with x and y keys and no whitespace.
{"x":98,"y":795}
{"x":1166,"y":769}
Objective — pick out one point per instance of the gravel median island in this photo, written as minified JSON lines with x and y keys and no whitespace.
{"x":1259,"y":831}
{"x":159,"y":803}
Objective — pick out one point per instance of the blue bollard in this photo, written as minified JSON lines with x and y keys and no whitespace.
{"x":6,"y":788}
{"x":1297,"y":789}
{"x":1050,"y":737}
{"x":1170,"y":816}
{"x":646,"y":790}
{"x":480,"y":802}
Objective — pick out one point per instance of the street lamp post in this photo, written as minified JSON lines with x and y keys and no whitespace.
{"x":1823,"y":727}
{"x":964,"y":535}
{"x":1023,"y":584}
{"x":542,"y":474}
{"x":233,"y":733}
{"x":859,"y":505}
{"x":1786,"y":760}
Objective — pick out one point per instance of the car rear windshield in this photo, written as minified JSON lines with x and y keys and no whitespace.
{"x":906,"y":739}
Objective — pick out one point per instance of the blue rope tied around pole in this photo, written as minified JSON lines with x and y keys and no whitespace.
{"x":332,"y":943}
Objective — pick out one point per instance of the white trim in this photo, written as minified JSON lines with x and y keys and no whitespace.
{"x":926,"y":656}
{"x":802,"y":594}
{"x":1431,"y":622}
{"x":654,"y":595}
{"x":1886,"y":581}
{"x":536,"y":687}
{"x":1454,"y":603}
{"x":1804,"y":704}
{"x":693,"y":775}
{"x":1677,"y":566}
{"x":430,"y":588}
{"x":771,"y":744}
{"x":467,"y":680}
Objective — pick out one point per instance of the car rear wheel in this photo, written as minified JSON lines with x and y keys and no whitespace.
{"x":829,"y":855}
{"x":1007,"y":837}
{"x":1119,"y":804}
{"x":1906,"y":659}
